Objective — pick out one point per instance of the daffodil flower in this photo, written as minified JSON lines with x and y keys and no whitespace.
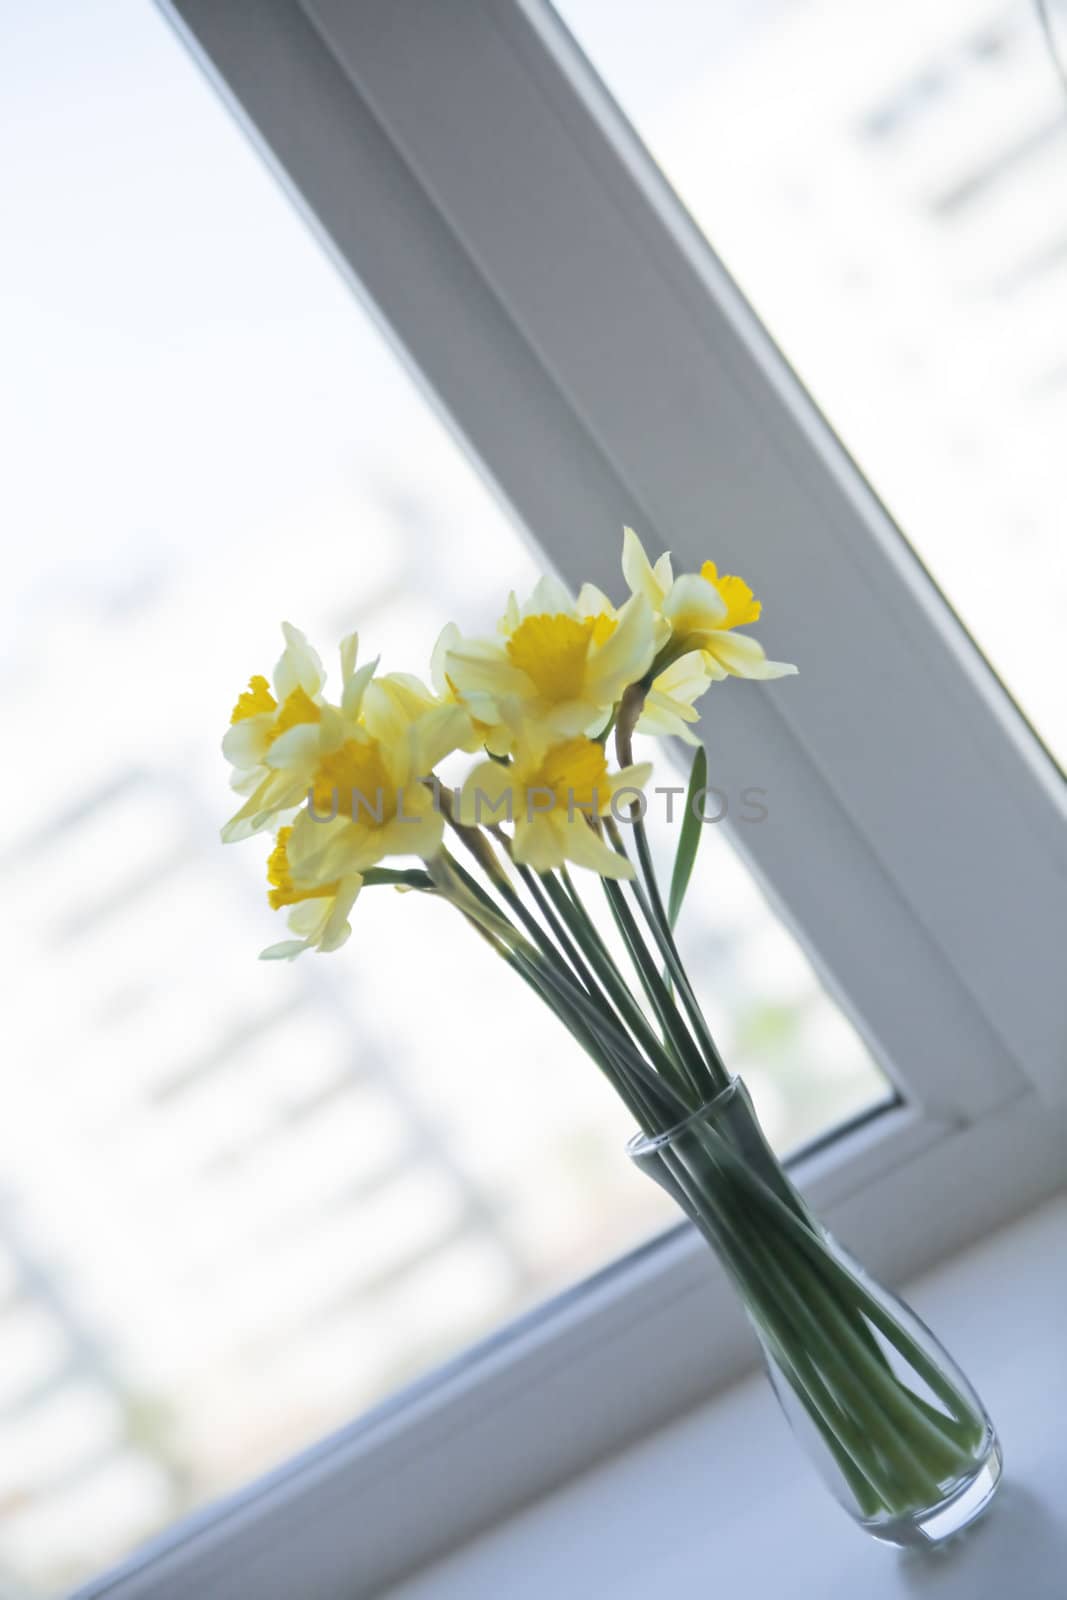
{"x":261,"y":715}
{"x":669,"y":710}
{"x":320,"y":913}
{"x":368,"y":795}
{"x":668,"y":706}
{"x":553,"y":666}
{"x":276,"y":737}
{"x":486,"y":730}
{"x":549,"y":792}
{"x":703,"y":610}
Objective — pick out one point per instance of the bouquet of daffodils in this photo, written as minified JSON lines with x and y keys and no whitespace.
{"x":353,"y":790}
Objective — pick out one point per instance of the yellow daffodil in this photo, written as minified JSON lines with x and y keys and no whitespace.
{"x":668,"y":707}
{"x":703,"y":610}
{"x":368,"y":796}
{"x":319,"y":914}
{"x":350,"y":785}
{"x":261,"y":715}
{"x":276,"y":737}
{"x":485,"y":731}
{"x":548,"y":792}
{"x":669,"y":704}
{"x":361,"y":767}
{"x":553,"y":666}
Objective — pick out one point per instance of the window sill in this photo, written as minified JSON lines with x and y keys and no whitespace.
{"x":724,"y":1496}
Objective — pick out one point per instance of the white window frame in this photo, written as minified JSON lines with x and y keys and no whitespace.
{"x":473,"y":179}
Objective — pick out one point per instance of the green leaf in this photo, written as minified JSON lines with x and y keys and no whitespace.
{"x":689,"y":840}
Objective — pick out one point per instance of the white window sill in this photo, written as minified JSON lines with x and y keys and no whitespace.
{"x":724,"y":1498}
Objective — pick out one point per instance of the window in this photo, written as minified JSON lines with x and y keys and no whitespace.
{"x":618,"y":378}
{"x":891,"y":193}
{"x":241,"y":1204}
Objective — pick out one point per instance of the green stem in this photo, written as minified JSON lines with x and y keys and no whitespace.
{"x":480,"y":847}
{"x":867,"y":1388}
{"x":689,"y":1060}
{"x":573,"y":911}
{"x":903,"y":1449}
{"x":660,"y":928}
{"x":650,"y":900}
{"x":791,"y":1226}
{"x":668,"y":1104}
{"x":535,"y":974}
{"x":638,"y":1089}
{"x":823,"y":1327}
{"x":597,"y":1021}
{"x":609,"y":988}
{"x":574,"y":1024}
{"x":756,"y":1277}
{"x":601,"y":982}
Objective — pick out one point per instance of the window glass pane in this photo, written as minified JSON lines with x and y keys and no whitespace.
{"x":239,"y":1202}
{"x":888,"y":185}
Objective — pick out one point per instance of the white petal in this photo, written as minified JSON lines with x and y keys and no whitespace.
{"x":417,"y":832}
{"x":662,"y":572}
{"x":448,"y":639}
{"x":334,"y":936}
{"x":588,"y":849}
{"x":641,"y":576}
{"x":657,"y":718}
{"x":384,"y":714}
{"x":537,"y":843}
{"x":500,"y":740}
{"x":593,"y":602}
{"x":246,"y":782}
{"x":548,"y":597}
{"x":576,"y":716}
{"x":481,"y":665}
{"x":671,"y":706}
{"x":240,"y":828}
{"x":307,"y":845}
{"x":632,"y":777}
{"x":273,"y":795}
{"x":349,"y":655}
{"x":334,"y":728}
{"x":624,"y":657}
{"x":660,"y":722}
{"x":309,"y":918}
{"x":485,"y":795}
{"x":299,"y":666}
{"x":288,"y":950}
{"x":296,"y":749}
{"x":685,"y":679}
{"x":352,"y":850}
{"x":336,"y":928}
{"x":410,"y":691}
{"x":245,"y":743}
{"x":356,"y":687}
{"x":694,"y":605}
{"x":435,"y":736}
{"x":743,"y":656}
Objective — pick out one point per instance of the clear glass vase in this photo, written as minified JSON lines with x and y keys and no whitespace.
{"x":895,"y":1429}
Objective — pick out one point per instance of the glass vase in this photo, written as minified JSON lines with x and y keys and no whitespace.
{"x":895,"y":1429}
